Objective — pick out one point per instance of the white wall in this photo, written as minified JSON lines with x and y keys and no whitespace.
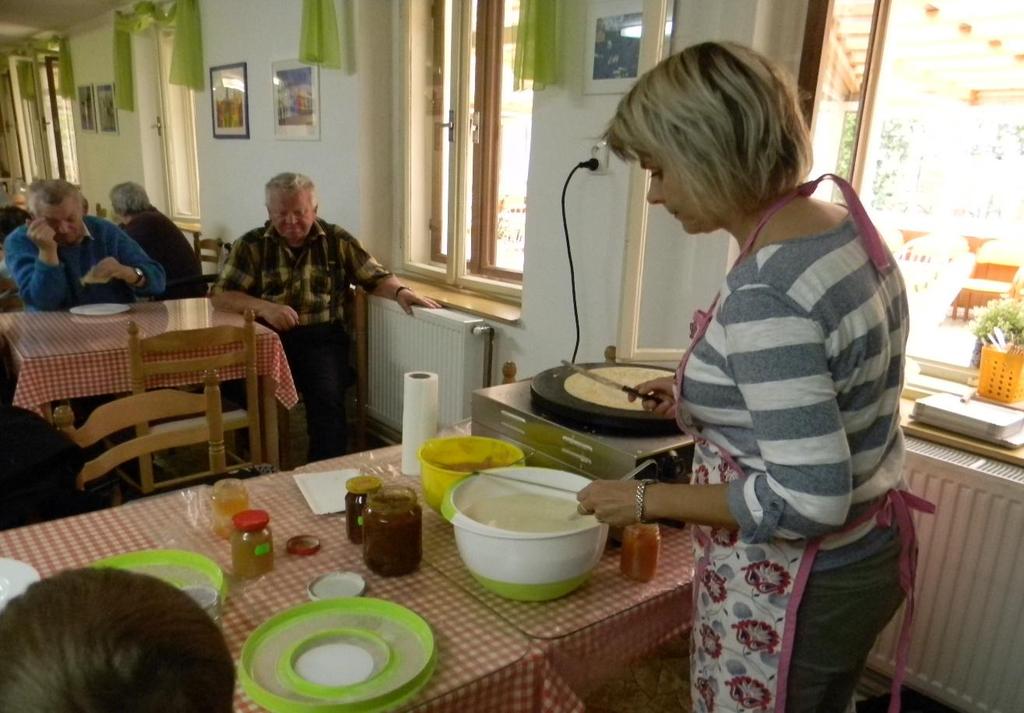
{"x":232,"y":172}
{"x":103,"y":159}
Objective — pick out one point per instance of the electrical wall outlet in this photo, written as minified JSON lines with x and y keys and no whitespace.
{"x":600,"y":151}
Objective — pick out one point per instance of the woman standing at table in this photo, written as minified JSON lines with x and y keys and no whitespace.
{"x":790,"y":387}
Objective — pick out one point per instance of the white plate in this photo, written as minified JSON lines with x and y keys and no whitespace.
{"x":15,"y":576}
{"x":100,"y":309}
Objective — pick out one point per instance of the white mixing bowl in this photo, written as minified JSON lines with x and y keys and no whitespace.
{"x":511,"y":562}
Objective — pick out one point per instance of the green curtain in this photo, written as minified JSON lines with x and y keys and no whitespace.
{"x":67,"y":72}
{"x":321,"y":42}
{"x":536,"y":45}
{"x":26,"y":79}
{"x":124,"y":80}
{"x":187,"y":59}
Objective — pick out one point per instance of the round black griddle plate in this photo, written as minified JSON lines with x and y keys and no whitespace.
{"x":547,"y":393}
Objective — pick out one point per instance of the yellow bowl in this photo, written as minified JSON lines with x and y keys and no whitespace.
{"x":446,"y":461}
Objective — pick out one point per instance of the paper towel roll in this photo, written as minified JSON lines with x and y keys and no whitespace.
{"x":419,"y":416}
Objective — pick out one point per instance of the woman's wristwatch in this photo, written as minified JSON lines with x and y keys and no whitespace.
{"x":641,"y":492}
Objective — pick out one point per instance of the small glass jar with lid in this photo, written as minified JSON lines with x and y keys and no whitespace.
{"x":392,"y":531}
{"x":229,"y":497}
{"x":641,"y":544}
{"x":358,"y":489}
{"x":252,"y":545}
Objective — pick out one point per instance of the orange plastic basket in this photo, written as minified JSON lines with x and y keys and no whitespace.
{"x":1002,"y":375}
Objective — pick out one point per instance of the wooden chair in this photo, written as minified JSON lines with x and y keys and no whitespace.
{"x":210,"y":252}
{"x":995,"y":268}
{"x":934,"y":268}
{"x":141,"y":409}
{"x":189,"y":352}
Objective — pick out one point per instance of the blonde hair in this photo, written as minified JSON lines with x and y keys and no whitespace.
{"x":723,"y":120}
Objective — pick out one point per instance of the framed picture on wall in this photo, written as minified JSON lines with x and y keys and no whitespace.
{"x":612,"y":45}
{"x":229,"y":96}
{"x":106,"y":112}
{"x":87,"y":107}
{"x":296,"y":97}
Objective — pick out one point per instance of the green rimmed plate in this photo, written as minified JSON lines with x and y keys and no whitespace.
{"x":286,"y":663}
{"x":180,"y":568}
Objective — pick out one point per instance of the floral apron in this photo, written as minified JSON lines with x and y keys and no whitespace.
{"x":746,"y":597}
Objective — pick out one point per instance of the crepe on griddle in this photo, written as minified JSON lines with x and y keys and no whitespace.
{"x":588,"y":390}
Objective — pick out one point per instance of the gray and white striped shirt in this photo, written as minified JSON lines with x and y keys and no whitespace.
{"x":799,"y":378}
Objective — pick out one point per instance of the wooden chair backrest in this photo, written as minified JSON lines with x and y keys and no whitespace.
{"x":182,"y":352}
{"x":210,"y":251}
{"x":143,"y":408}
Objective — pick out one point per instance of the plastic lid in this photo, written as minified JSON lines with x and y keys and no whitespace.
{"x":334,"y":585}
{"x":251,"y":520}
{"x":363,"y":484}
{"x":303,"y":545}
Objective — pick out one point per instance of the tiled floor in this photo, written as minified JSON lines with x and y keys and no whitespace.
{"x":659,"y":684}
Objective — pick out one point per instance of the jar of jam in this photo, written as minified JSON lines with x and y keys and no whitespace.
{"x":392,"y":531}
{"x":358,"y":489}
{"x":252,"y":546}
{"x":641,"y":544}
{"x":229,"y":497}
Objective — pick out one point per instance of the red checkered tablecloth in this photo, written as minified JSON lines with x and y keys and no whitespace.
{"x":59,"y":355}
{"x":483,"y":664}
{"x":592,"y":633}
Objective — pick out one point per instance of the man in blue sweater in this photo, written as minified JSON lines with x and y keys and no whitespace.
{"x":61,"y":259}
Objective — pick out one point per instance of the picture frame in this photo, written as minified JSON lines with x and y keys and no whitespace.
{"x":87,"y":107}
{"x":106,"y":112}
{"x":612,"y":46}
{"x":229,"y":101}
{"x":295,"y":93}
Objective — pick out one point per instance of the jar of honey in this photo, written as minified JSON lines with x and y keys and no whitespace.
{"x":641,"y":544}
{"x":358,"y":489}
{"x":228,"y":498}
{"x":252,"y":545}
{"x":392,"y":531}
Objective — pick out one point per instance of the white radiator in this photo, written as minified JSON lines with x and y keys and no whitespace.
{"x":967,"y":647}
{"x":453,"y":345}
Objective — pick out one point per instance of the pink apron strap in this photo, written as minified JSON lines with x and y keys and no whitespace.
{"x":898,"y":504}
{"x":873,"y":244}
{"x":895,"y":507}
{"x":796,"y":595}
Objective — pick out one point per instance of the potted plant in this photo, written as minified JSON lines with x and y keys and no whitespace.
{"x":999,"y":327}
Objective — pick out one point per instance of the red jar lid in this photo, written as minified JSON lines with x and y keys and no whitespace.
{"x":251,"y":520}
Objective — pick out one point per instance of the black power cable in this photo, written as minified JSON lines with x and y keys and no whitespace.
{"x":590,"y":164}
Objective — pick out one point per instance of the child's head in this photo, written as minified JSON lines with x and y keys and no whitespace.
{"x":99,"y":640}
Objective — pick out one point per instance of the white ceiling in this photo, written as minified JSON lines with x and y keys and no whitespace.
{"x":21,"y":19}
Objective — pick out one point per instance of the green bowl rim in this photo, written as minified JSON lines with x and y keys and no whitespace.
{"x":359,"y":605}
{"x":179,"y":558}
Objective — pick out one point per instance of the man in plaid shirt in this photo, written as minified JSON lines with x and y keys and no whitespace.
{"x":293,"y":273}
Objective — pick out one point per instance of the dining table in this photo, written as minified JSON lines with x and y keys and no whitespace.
{"x":492,"y":654}
{"x":588,"y":636}
{"x":59,"y":355}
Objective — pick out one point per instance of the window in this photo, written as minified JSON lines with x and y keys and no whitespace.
{"x":177,"y":128}
{"x":58,"y":123}
{"x":921,"y":105}
{"x":468,"y":143}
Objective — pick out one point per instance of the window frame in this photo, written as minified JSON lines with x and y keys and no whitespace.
{"x":460,"y":227}
{"x":177,"y":102}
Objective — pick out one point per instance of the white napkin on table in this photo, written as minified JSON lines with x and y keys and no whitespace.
{"x":325,"y":491}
